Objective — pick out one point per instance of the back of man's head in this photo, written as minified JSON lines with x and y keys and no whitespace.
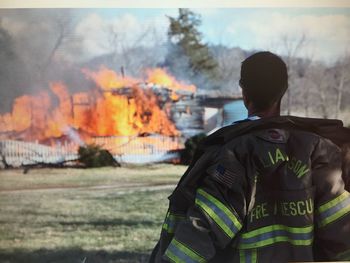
{"x":264,"y":79}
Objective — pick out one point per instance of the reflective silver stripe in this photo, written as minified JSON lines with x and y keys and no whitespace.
{"x":171,"y":222}
{"x":334,"y":209}
{"x":218,"y":212}
{"x":179,"y":252}
{"x":299,"y":236}
{"x":248,"y":256}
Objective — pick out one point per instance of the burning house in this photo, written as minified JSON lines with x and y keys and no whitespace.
{"x":136,"y":120}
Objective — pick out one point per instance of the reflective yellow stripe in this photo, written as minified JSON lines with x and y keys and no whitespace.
{"x":278,"y":239}
{"x":179,"y":252}
{"x":216,"y":218}
{"x":222,"y":207}
{"x":334,"y":209}
{"x":173,"y":258}
{"x":254,"y":256}
{"x":242,"y":256}
{"x":248,"y":256}
{"x":333,"y":202}
{"x":218,"y":212}
{"x":299,"y":236}
{"x":295,"y":230}
{"x":335,"y":216}
{"x":171,"y":221}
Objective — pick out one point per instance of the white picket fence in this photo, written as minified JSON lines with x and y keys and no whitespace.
{"x":125,"y":149}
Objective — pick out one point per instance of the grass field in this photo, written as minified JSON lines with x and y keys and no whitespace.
{"x":83,"y":215}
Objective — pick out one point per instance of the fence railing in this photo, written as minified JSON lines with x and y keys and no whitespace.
{"x":124,"y":149}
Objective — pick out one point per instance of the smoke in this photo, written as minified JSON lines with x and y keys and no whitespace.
{"x":52,"y":45}
{"x":39,"y":47}
{"x":47,"y":45}
{"x":73,"y":135}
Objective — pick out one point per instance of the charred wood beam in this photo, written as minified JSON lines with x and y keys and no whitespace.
{"x":27,"y":167}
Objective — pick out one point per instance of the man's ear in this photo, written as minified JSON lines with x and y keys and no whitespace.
{"x":245,"y":99}
{"x":277,"y":105}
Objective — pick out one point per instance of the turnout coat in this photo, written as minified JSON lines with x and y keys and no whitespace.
{"x":265,"y":190}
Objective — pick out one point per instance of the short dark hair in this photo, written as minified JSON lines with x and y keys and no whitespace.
{"x":264,"y":79}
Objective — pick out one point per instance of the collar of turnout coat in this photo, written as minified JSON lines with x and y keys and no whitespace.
{"x":333,"y":130}
{"x":330,"y":129}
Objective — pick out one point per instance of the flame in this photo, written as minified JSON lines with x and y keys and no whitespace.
{"x":37,"y":116}
{"x":108,"y":79}
{"x":118,"y":106}
{"x":161,"y":77}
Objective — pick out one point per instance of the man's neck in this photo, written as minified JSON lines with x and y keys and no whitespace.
{"x":264,"y":114}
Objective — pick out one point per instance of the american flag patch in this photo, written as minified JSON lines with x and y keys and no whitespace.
{"x":222,"y":175}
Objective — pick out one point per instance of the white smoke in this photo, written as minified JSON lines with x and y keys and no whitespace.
{"x":73,"y":135}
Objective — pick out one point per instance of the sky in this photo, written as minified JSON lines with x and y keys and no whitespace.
{"x":324,"y":32}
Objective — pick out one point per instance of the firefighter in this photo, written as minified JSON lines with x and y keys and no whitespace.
{"x":267,"y":189}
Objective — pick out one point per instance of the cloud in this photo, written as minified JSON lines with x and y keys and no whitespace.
{"x":95,"y":32}
{"x":327,"y":36}
{"x":92,"y":35}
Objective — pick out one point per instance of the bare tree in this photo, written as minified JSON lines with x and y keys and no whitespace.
{"x":319,"y":83}
{"x":45,"y":35}
{"x":339,"y":89}
{"x":331,"y":84}
{"x":306,"y":89}
{"x":132,"y":54}
{"x":229,"y":63}
{"x":341,"y":78}
{"x":323,"y":99}
{"x":62,"y":26}
{"x":292,"y":48}
{"x":114,"y":40}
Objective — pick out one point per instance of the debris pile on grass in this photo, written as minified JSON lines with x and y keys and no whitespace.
{"x":93,"y":155}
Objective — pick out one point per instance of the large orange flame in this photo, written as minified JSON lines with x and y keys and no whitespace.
{"x":108,"y":110}
{"x":108,"y":79}
{"x":161,"y":77}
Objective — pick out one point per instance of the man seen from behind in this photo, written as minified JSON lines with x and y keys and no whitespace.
{"x":266,"y":189}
